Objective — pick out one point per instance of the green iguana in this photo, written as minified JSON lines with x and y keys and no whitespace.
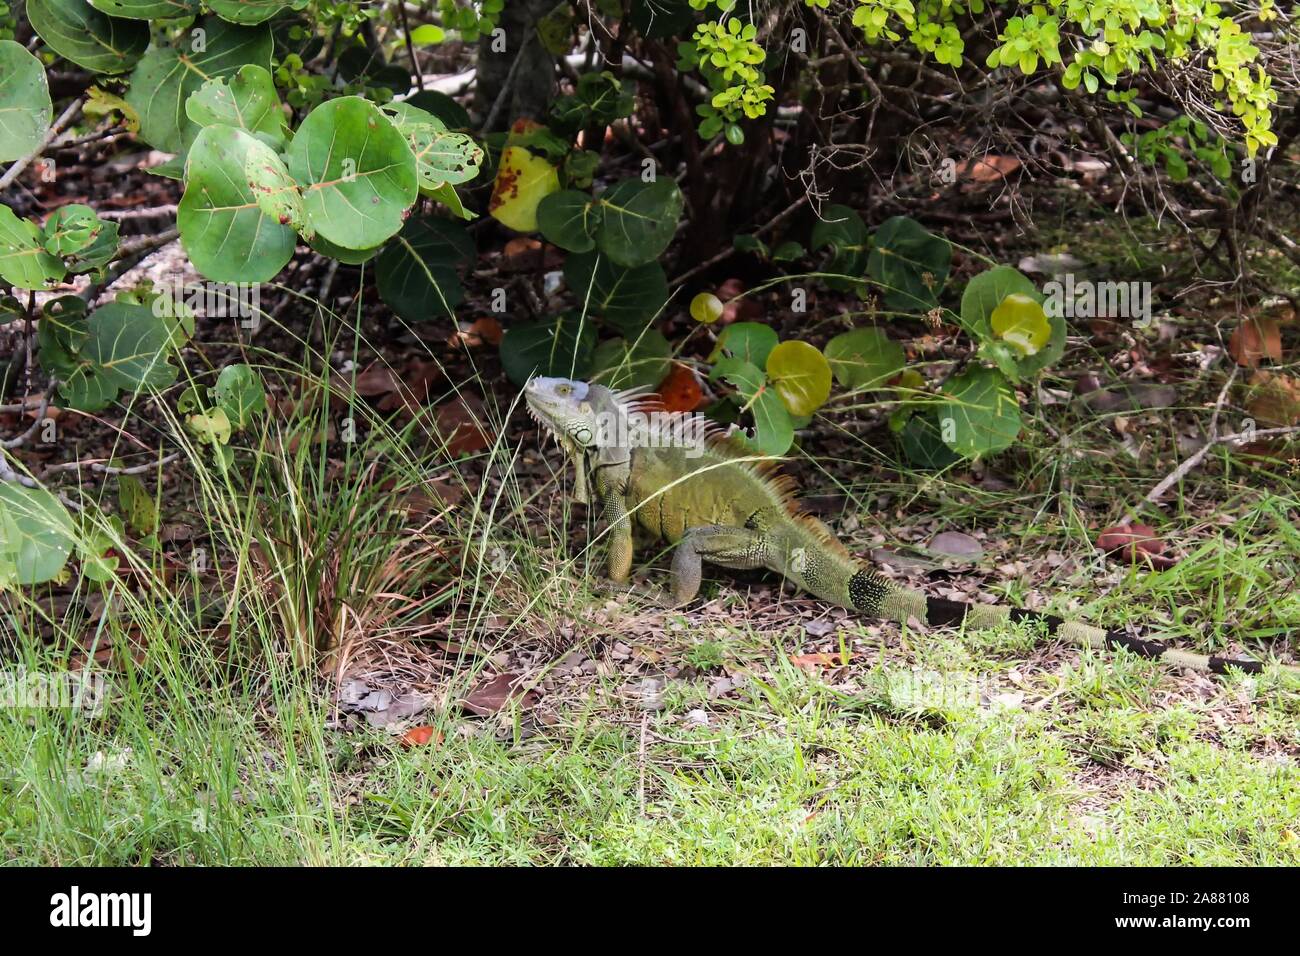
{"x":682,"y":479}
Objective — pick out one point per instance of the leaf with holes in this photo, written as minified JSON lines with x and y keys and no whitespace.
{"x":563,"y":347}
{"x":626,"y":298}
{"x":25,"y":108}
{"x":638,"y":220}
{"x":441,"y":156}
{"x":981,"y":415}
{"x":356,"y":171}
{"x":416,"y":273}
{"x":167,"y":75}
{"x":910,"y":263}
{"x":864,"y":358}
{"x":70,"y":229}
{"x":89,"y":38}
{"x":224,"y":228}
{"x":248,"y":102}
{"x":801,"y":376}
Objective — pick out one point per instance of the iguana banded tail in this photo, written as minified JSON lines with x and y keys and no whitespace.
{"x":682,"y":479}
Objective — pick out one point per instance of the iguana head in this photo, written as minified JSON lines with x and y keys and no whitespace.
{"x":576,"y":413}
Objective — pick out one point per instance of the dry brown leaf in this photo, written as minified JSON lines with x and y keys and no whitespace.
{"x":811,"y":662}
{"x":1255,"y":339}
{"x":680,"y":391}
{"x":494,"y":694}
{"x":1274,"y":398}
{"x":460,"y":421}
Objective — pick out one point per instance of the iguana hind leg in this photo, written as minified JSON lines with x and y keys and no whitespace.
{"x":719,"y":544}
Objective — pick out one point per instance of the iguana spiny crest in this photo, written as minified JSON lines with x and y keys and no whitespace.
{"x":684,"y":480}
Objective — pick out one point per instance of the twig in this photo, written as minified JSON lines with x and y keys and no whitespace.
{"x":40,"y":417}
{"x":66,"y":117}
{"x":1198,"y":456}
{"x":410,"y":47}
{"x":730,"y":251}
{"x":99,"y":468}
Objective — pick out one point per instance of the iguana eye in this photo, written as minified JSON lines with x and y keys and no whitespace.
{"x":563,"y":389}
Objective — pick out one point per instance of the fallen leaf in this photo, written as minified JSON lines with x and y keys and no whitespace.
{"x":494,"y":694}
{"x":811,"y":662}
{"x":460,"y":422}
{"x":1133,"y":541}
{"x":1255,"y":339}
{"x":375,"y":380}
{"x":521,"y":254}
{"x":956,"y":544}
{"x":419,"y":736}
{"x":988,"y":169}
{"x":1274,"y":398}
{"x":680,"y":391}
{"x":482,"y":330}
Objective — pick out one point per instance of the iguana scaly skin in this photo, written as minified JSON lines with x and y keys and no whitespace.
{"x":682,"y":480}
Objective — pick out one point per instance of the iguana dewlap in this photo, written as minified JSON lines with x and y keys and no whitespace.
{"x":683,"y":480}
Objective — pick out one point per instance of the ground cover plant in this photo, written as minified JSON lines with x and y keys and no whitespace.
{"x":287,"y":575}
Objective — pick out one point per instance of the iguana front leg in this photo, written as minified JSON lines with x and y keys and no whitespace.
{"x":719,"y":544}
{"x":620,"y":538}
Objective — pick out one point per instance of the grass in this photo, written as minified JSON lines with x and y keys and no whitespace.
{"x":683,"y":738}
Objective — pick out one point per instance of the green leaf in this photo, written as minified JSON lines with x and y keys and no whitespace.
{"x":428,"y":34}
{"x":1019,"y":320}
{"x":416,"y":273}
{"x":137,"y":505}
{"x":910,"y":263}
{"x":921,"y":443}
{"x":167,"y":75}
{"x":224,"y":222}
{"x":864,"y":358}
{"x":78,"y":32}
{"x":102,"y":248}
{"x":626,"y":298}
{"x":131,"y":345}
{"x":443,"y":107}
{"x":620,"y":363}
{"x":440,"y":156}
{"x":843,"y":231}
{"x":25,"y":108}
{"x":87,"y":387}
{"x":357,"y":172}
{"x":773,"y":429}
{"x":981,"y":415}
{"x":638,"y":220}
{"x":248,"y":102}
{"x":70,"y":229}
{"x":569,"y":219}
{"x":239,"y":393}
{"x":986,"y":291}
{"x":36,"y":533}
{"x":563,"y":347}
{"x":146,"y":9}
{"x":801,"y":376}
{"x":750,"y":341}
{"x":212,"y":426}
{"x":251,"y":11}
{"x":24,"y":263}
